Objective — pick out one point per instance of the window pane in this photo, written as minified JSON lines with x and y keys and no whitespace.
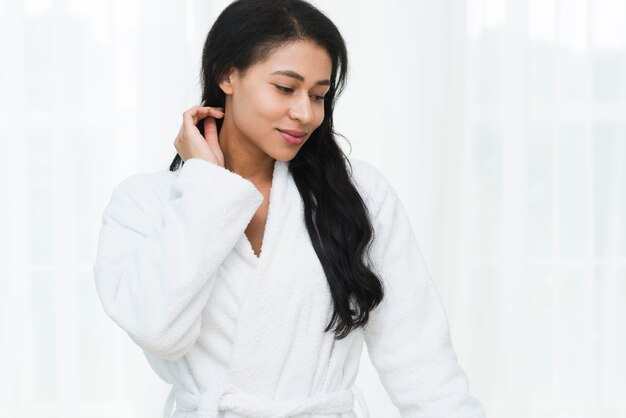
{"x":541,"y":332}
{"x":96,"y":342}
{"x":608,"y":76}
{"x":488,"y":88}
{"x":41,"y":195}
{"x":542,"y":72}
{"x":487,"y":178}
{"x":577,"y":361}
{"x":607,"y":23}
{"x":573,"y":173}
{"x":541,"y":189}
{"x":44,"y":335}
{"x":573,"y":77}
{"x":490,"y":324}
{"x":606,"y":184}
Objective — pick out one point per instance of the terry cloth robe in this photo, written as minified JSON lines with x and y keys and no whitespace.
{"x":241,"y":336}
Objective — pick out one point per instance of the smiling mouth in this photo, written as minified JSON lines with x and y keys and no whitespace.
{"x":291,"y":139}
{"x":294,"y":132}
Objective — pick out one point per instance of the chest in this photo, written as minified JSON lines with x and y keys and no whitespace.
{"x":256,"y":228}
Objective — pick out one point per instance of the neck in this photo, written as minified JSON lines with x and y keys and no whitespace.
{"x":243,"y":158}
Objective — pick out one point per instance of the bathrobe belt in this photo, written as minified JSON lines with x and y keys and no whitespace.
{"x":232,"y":398}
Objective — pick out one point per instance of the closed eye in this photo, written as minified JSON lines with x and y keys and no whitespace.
{"x":281,"y":88}
{"x":289,"y":90}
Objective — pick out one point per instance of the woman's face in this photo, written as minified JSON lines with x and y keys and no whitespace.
{"x":282,"y":93}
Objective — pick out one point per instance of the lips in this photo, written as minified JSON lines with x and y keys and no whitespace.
{"x":292,"y":139}
{"x":293,"y":132}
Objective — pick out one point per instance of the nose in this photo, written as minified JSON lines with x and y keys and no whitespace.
{"x":301,"y":109}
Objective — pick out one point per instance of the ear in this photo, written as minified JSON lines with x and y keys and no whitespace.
{"x":226,"y":83}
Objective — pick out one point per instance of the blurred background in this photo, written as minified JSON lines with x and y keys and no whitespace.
{"x":501,"y":123}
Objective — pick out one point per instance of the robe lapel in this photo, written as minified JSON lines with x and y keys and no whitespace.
{"x":287,"y":304}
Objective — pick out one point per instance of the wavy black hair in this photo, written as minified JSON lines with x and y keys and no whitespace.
{"x":335,"y":214}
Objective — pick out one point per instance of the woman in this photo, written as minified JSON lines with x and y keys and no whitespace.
{"x":252,"y":272}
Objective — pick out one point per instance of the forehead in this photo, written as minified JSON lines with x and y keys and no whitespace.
{"x":303,"y":57}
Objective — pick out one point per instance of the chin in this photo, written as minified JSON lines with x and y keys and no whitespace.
{"x":284,"y":154}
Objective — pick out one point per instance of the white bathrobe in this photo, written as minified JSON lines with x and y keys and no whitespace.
{"x":241,"y":336}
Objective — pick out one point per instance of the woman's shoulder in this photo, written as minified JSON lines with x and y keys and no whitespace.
{"x":146,"y":186}
{"x":137,"y":200}
{"x":370,"y":181}
{"x":364,"y":171}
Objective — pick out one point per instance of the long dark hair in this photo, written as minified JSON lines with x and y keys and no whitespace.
{"x":336,"y":216}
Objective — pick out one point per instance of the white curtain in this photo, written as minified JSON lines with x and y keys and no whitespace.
{"x":502,"y":125}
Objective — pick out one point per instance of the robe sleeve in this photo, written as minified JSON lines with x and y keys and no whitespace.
{"x":157,"y":257}
{"x":407,"y":335}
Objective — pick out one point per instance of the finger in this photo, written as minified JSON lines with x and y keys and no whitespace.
{"x":202,"y":104}
{"x":210,"y":130}
{"x":215,"y":108}
{"x":212,"y":139}
{"x":196,"y":113}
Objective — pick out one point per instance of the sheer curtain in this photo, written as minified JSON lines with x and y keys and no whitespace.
{"x":502,"y":124}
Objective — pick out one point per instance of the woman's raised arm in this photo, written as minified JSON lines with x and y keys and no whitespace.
{"x":158,"y":253}
{"x":162,"y":240}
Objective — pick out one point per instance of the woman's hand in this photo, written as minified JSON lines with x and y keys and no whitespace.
{"x":189,"y":142}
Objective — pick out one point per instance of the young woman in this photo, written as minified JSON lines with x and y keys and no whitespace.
{"x":252,"y":272}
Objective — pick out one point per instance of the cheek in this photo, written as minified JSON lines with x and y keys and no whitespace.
{"x":256,"y":104}
{"x":265,"y":110}
{"x":319,"y":116}
{"x":266,"y":101}
{"x":269,"y":105}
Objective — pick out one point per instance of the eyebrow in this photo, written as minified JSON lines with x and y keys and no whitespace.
{"x":297,"y":76}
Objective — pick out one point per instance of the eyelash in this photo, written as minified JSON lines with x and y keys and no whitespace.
{"x":288,"y":90}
